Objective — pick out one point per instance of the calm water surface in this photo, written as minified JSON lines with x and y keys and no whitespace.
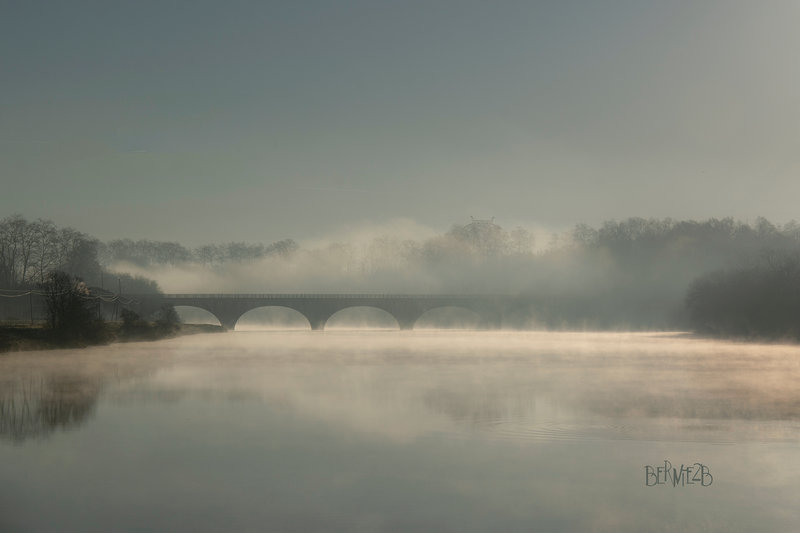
{"x":400,"y":431}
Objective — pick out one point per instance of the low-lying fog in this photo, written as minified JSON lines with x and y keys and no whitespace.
{"x":374,"y":430}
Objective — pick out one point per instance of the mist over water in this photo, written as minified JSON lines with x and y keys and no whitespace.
{"x":384,"y":430}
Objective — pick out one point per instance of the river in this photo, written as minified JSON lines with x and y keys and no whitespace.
{"x":368,"y":430}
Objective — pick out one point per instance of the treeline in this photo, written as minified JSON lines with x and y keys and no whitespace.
{"x":636,"y":273}
{"x":146,"y":252}
{"x":761,"y":300}
{"x":30,"y":251}
{"x":480,"y":238}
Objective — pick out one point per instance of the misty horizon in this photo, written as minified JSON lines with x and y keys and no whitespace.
{"x":636,"y":273}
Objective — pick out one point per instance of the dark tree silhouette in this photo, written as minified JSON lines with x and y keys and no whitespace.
{"x":759,"y":301}
{"x":69,"y":314}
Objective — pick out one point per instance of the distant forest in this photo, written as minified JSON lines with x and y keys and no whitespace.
{"x":718,"y":276}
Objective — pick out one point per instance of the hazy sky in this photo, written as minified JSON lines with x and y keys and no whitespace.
{"x":216,"y":121}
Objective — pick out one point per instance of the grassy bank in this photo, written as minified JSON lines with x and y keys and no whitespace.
{"x":26,"y":337}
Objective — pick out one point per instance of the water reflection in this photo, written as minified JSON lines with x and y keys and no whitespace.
{"x":398,"y":431}
{"x":517,"y":386}
{"x":481,"y":410}
{"x":45,"y":392}
{"x":34,"y":407}
{"x":507,"y":386}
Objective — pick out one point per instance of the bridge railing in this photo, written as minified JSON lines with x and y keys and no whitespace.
{"x":377,"y":296}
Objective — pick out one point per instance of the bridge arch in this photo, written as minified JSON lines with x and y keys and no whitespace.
{"x":450,"y":317}
{"x":369,"y":316}
{"x":272,"y":317}
{"x":195,"y":314}
{"x":318,"y":308}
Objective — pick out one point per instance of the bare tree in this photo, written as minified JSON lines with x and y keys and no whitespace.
{"x":45,"y":248}
{"x":521,"y":241}
{"x":68,"y":313}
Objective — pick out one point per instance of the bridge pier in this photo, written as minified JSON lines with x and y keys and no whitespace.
{"x":317,"y":324}
{"x":406,"y":323}
{"x":317,"y":317}
{"x":227,"y":324}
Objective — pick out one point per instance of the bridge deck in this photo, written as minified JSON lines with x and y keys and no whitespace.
{"x":306,"y":295}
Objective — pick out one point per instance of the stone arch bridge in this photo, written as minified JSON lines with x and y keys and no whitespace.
{"x":318,"y":308}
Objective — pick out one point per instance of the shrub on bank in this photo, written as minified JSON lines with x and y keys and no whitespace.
{"x":135,"y":327}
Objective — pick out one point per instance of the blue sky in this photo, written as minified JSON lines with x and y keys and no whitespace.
{"x":216,"y":121}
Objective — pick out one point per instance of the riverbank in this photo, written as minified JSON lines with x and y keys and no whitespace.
{"x":28,"y":337}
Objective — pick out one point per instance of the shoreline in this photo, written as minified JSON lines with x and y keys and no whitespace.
{"x":27,"y":338}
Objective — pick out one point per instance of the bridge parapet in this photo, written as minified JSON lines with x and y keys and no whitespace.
{"x":325,"y":295}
